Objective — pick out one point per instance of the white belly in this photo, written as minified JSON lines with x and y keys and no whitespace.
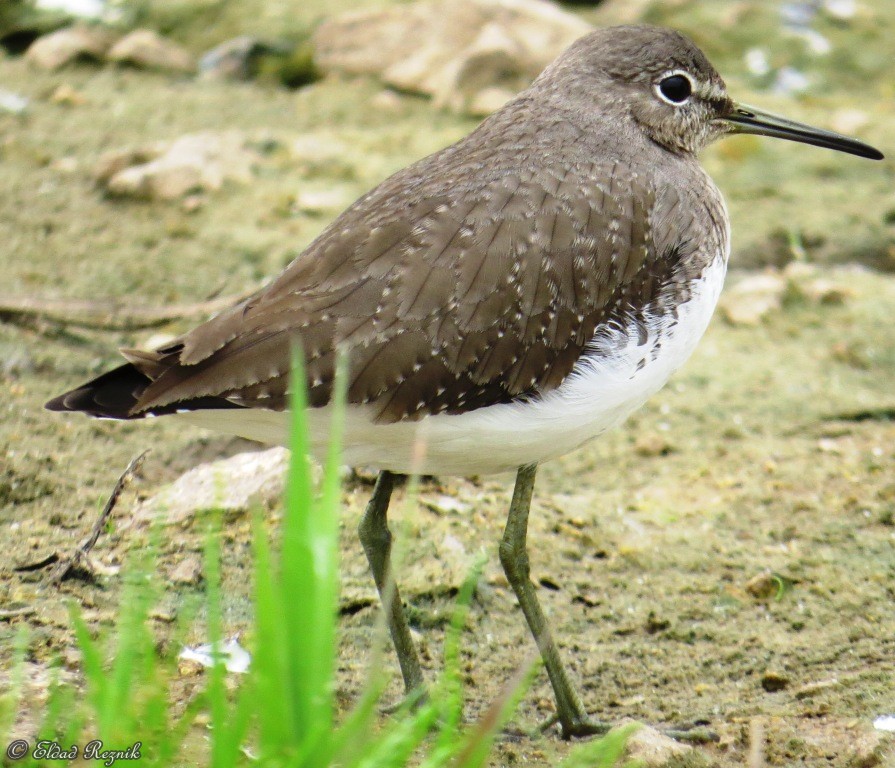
{"x":603,"y":389}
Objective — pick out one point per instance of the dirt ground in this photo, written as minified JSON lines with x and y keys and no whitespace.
{"x":728,"y":555}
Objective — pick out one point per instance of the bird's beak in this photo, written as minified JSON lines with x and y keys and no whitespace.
{"x":745,"y":119}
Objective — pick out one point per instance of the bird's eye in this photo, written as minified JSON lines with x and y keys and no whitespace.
{"x":675,"y":89}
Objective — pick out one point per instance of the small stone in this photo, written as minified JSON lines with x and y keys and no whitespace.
{"x":321,"y":201}
{"x":849,"y":121}
{"x":72,"y":44}
{"x":232,"y":486}
{"x":236,"y":59}
{"x":763,"y":585}
{"x":146,"y":49}
{"x":773,"y":681}
{"x":188,"y":571}
{"x":115,"y":161}
{"x":653,"y":749}
{"x":753,"y":298}
{"x":67,"y":96}
{"x":489,"y":100}
{"x":193,"y":163}
{"x":651,"y":445}
{"x":445,"y":505}
{"x":12,"y":102}
{"x":386,"y":100}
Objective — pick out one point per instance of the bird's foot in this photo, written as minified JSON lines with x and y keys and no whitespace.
{"x":411,"y":702}
{"x":578,"y":727}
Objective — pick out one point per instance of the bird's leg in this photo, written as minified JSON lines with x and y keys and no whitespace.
{"x":570,"y":711}
{"x":376,"y":539}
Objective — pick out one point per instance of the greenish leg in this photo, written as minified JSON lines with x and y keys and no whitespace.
{"x":377,"y":543}
{"x":570,"y":710}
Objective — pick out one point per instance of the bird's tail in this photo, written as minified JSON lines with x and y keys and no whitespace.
{"x":115,"y":394}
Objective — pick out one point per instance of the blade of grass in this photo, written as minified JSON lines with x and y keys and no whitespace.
{"x":270,"y":665}
{"x":309,"y":572}
{"x":10,"y":700}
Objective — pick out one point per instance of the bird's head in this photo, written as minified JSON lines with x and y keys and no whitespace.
{"x":665,"y":84}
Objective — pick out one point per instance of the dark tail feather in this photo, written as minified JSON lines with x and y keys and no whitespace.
{"x":114,"y":395}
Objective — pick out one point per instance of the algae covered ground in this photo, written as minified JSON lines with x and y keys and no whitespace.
{"x":727,"y":556}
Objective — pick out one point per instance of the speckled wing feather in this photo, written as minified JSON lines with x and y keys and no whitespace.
{"x":469,"y":279}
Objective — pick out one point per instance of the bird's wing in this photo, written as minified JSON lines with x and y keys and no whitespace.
{"x":475,"y":289}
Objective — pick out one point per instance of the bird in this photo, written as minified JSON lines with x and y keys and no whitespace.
{"x":500,"y":302}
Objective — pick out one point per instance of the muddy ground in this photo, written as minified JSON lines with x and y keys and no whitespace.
{"x":770,"y":452}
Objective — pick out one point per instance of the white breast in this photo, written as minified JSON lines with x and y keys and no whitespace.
{"x":617,"y":376}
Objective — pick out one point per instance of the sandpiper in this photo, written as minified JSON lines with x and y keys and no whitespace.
{"x":504,"y":300}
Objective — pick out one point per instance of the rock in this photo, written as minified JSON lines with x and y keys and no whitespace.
{"x":808,"y":282}
{"x":146,"y":49}
{"x":72,"y":44}
{"x":488,"y":100}
{"x":322,"y":201}
{"x":232,"y":486}
{"x":752,"y":299}
{"x":622,"y":11}
{"x":773,"y":681}
{"x":653,"y":444}
{"x":66,"y":96}
{"x":115,"y":161}
{"x":167,"y":171}
{"x":459,"y":53}
{"x":653,"y":749}
{"x":237,"y":59}
{"x":12,"y":102}
{"x":849,"y":121}
{"x":188,"y":571}
{"x":763,"y":585}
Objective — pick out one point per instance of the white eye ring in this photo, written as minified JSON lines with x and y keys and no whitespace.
{"x":675,"y":88}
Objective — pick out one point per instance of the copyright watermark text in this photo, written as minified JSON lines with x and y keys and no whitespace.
{"x":19,"y":749}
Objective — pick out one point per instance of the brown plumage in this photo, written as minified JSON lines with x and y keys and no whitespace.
{"x":536,"y":282}
{"x":473,"y":277}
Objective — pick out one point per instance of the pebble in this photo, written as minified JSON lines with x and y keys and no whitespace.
{"x":650,"y":749}
{"x":188,"y":571}
{"x":65,"y":46}
{"x":773,"y":681}
{"x":146,"y":49}
{"x":198,"y":162}
{"x":12,"y":102}
{"x":753,"y":298}
{"x":231,"y":486}
{"x":236,"y":59}
{"x":763,"y":585}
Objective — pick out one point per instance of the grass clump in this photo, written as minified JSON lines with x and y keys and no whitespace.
{"x":282,"y":711}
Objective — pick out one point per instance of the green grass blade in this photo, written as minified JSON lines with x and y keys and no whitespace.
{"x":91,"y":659}
{"x":270,"y":666}
{"x":10,"y":700}
{"x":309,"y":575}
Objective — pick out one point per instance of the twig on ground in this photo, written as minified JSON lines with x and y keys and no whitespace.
{"x":78,"y":559}
{"x":107,"y":315}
